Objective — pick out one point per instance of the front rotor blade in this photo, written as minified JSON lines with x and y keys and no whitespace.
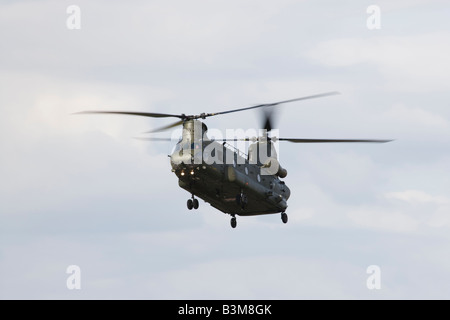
{"x":274,"y":103}
{"x":169,"y":126}
{"x":142,"y":114}
{"x":330,"y":140}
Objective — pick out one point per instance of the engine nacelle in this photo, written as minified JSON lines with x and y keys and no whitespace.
{"x":282,"y":172}
{"x":272,"y":167}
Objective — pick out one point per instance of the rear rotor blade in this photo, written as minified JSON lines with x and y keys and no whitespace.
{"x":295,"y":140}
{"x":267,"y":119}
{"x":330,"y":140}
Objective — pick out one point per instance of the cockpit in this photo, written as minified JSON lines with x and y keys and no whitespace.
{"x":187,"y":145}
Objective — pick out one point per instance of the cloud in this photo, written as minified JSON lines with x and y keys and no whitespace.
{"x":408,"y":211}
{"x":383,"y":220}
{"x":412,"y":63}
{"x":416,"y":120}
{"x":440,"y":206}
{"x":415,"y":196}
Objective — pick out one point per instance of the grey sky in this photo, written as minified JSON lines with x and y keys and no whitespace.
{"x":78,"y":190}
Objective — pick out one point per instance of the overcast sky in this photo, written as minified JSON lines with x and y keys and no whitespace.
{"x":78,"y":190}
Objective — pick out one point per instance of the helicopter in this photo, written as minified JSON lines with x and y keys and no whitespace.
{"x":230,"y":180}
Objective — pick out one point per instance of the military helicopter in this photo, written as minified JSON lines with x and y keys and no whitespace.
{"x":222,"y":175}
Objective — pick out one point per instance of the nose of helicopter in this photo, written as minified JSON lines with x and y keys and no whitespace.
{"x":185,"y":164}
{"x":186,"y":170}
{"x":185,"y":157}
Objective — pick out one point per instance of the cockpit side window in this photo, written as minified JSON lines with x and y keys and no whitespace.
{"x":187,"y":146}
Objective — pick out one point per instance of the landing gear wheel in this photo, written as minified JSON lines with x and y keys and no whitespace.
{"x":195,"y":203}
{"x":233,"y":222}
{"x":284,"y":217}
{"x":190,"y":204}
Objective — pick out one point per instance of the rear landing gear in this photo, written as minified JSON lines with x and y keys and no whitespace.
{"x":233,"y":222}
{"x":192,"y":203}
{"x":284,"y":217}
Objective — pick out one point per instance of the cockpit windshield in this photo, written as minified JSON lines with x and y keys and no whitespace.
{"x":187,"y":145}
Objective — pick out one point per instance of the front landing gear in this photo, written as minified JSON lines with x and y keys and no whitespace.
{"x":192,"y":203}
{"x":284,"y":217}
{"x":233,"y":222}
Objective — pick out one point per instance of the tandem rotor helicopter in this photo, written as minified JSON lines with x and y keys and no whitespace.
{"x":222,"y":175}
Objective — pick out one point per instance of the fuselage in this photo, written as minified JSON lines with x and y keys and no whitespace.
{"x":224,"y":176}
